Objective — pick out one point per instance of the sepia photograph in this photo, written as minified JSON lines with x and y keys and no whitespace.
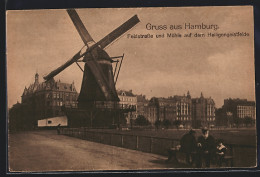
{"x":158,"y":88}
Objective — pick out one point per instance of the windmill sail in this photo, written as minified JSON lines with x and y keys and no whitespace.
{"x":62,"y":67}
{"x":83,"y":32}
{"x":98,"y":81}
{"x":102,"y":43}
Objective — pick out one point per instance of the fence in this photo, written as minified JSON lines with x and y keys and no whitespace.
{"x":243,"y":155}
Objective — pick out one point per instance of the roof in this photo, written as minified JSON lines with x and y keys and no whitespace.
{"x":201,"y":99}
{"x":49,"y":85}
{"x":142,"y":98}
{"x":237,"y":101}
{"x":125,"y":93}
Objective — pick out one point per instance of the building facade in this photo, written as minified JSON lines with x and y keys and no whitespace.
{"x":184,"y":109}
{"x":234,"y":111}
{"x":142,"y":103}
{"x":240,"y":108}
{"x":47,"y":98}
{"x":203,"y":111}
{"x":189,"y":112}
{"x":128,"y":99}
{"x":152,"y":110}
{"x":176,"y":108}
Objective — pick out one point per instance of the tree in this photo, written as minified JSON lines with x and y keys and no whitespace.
{"x":177,"y":123}
{"x":237,"y":121}
{"x":166,"y":123}
{"x":157,"y":124}
{"x":141,"y":120}
{"x":122,"y":119}
{"x":248,"y":120}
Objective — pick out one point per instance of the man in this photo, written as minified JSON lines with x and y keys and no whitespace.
{"x":188,"y":146}
{"x":206,"y":148}
{"x":58,"y":129}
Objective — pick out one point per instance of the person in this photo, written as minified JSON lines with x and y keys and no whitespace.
{"x":58,"y":129}
{"x":220,"y":151}
{"x":188,"y":146}
{"x":206,"y":148}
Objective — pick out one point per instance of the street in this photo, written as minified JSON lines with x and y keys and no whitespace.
{"x":41,"y":151}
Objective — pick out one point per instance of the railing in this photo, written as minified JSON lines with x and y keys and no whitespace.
{"x":243,"y":155}
{"x":150,"y":144}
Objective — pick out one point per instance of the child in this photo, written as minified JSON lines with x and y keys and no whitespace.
{"x":220,"y":151}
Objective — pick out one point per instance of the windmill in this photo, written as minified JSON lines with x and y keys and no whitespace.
{"x":98,"y":97}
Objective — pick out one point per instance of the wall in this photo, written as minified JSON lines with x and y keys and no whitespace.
{"x":54,"y":121}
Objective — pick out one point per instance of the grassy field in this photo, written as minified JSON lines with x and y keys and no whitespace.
{"x":230,"y":136}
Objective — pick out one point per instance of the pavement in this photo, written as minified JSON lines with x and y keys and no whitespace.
{"x":45,"y":151}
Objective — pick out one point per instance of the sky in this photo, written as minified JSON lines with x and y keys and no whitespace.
{"x":221,"y":68}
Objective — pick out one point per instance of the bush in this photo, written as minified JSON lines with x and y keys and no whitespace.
{"x":141,"y":120}
{"x":177,"y":123}
{"x":166,"y":123}
{"x":248,"y":120}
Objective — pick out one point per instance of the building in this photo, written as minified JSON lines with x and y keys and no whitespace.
{"x":152,"y":110}
{"x":45,"y":100}
{"x":234,"y":111}
{"x":240,"y":108}
{"x":166,"y":109}
{"x":142,"y":103}
{"x":171,"y":108}
{"x":203,"y":112}
{"x":184,"y":109}
{"x":189,"y":112}
{"x":128,"y":99}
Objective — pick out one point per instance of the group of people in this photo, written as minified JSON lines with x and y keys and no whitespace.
{"x":205,"y":148}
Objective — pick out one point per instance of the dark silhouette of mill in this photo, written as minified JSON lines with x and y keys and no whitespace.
{"x":98,"y":102}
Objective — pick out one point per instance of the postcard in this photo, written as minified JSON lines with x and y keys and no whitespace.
{"x":131,"y":89}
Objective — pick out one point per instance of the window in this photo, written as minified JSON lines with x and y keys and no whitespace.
{"x":48,"y":95}
{"x":67,"y":96}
